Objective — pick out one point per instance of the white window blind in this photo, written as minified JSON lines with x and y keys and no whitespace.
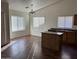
{"x":38,"y":21}
{"x":17,"y":23}
{"x":65,"y":22}
{"x":68,"y":22}
{"x":61,"y":22}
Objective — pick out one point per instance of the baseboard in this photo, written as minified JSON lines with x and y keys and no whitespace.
{"x":71,"y":45}
{"x":20,"y":37}
{"x":36,"y":36}
{"x":6,"y":46}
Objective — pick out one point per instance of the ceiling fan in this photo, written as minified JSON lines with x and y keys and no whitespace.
{"x":32,"y":11}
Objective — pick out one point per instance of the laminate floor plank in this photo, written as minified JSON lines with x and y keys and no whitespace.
{"x":30,"y":48}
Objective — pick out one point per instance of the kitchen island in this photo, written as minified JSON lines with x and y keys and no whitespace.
{"x":52,"y":40}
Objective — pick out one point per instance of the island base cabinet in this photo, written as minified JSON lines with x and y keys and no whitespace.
{"x":51,"y":41}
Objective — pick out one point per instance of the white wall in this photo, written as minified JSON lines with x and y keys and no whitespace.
{"x":51,"y":13}
{"x":26,"y":20}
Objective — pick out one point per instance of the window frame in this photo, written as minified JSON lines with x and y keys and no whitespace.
{"x":38,"y":21}
{"x":65,"y":19}
{"x":17,"y":29}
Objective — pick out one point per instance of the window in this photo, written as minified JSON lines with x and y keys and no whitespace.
{"x":65,"y":22}
{"x":38,"y":21}
{"x":61,"y":22}
{"x":17,"y":23}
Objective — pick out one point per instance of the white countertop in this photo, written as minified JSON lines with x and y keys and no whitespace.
{"x":58,"y":33}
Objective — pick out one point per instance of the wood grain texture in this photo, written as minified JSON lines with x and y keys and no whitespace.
{"x":52,"y":41}
{"x":30,"y":48}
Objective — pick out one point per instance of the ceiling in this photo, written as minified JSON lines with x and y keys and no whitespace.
{"x":20,"y":5}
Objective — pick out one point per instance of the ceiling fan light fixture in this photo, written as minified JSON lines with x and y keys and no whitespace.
{"x":32,"y":12}
{"x":26,"y":7}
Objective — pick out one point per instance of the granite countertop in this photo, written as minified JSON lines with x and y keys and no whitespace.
{"x":56,"y":33}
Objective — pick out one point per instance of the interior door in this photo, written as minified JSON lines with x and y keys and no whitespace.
{"x":2,"y":29}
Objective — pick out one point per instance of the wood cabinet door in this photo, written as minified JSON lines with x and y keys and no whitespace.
{"x":51,"y":41}
{"x":70,"y":37}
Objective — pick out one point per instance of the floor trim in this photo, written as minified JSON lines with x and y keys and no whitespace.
{"x":20,"y":37}
{"x":6,"y":46}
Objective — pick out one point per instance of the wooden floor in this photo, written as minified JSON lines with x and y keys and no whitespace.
{"x":30,"y":48}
